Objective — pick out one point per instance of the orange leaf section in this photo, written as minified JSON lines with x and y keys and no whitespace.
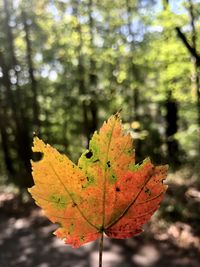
{"x":105,"y":192}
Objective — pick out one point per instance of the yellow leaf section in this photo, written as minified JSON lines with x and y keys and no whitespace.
{"x":58,"y":191}
{"x":109,"y":155}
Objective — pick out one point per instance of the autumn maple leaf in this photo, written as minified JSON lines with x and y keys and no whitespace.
{"x":105,"y":193}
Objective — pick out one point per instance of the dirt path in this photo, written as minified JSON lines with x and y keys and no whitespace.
{"x":27,"y":241}
{"x":26,"y":238}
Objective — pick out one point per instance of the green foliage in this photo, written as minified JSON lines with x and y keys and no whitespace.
{"x":89,"y":60}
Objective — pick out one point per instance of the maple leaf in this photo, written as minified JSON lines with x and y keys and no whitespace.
{"x":106,"y":191}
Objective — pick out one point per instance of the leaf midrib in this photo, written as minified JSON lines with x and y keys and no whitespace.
{"x":105,"y":175}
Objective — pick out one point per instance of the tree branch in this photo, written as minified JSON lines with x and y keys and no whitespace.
{"x":191,"y":49}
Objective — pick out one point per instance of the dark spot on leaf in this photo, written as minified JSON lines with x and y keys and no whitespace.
{"x":82,"y":238}
{"x":117,"y":189}
{"x":147,"y":191}
{"x":89,"y":154}
{"x":108,"y":164}
{"x":117,"y":114}
{"x":90,"y":180}
{"x":96,"y":160}
{"x":74,"y":205}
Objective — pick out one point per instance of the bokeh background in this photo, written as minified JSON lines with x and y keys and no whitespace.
{"x":65,"y":67}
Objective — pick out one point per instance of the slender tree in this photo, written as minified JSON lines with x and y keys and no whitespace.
{"x":134,"y":72}
{"x":81,"y":71}
{"x":14,"y":97}
{"x":92,"y":73}
{"x":171,"y":117}
{"x":195,"y":58}
{"x":29,"y":56}
{"x":4,"y":122}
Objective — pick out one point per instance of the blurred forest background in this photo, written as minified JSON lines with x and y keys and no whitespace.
{"x":67,"y":65}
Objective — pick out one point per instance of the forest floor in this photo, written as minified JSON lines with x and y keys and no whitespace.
{"x":172,"y":238}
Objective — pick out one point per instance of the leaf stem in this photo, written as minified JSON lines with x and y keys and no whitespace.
{"x":101,"y":250}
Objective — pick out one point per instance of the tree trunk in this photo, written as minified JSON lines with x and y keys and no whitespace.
{"x":171,"y":118}
{"x":81,"y":74}
{"x":92,"y":75}
{"x":31,"y":72}
{"x":133,"y":70}
{"x":195,"y":59}
{"x":4,"y":139}
{"x":21,"y":137}
{"x":171,"y":129}
{"x":193,"y":51}
{"x":12,"y":63}
{"x":15,"y":101}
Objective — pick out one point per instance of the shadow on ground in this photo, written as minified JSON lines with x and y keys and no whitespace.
{"x":26,"y":238}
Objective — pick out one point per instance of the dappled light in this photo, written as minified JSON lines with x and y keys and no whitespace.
{"x":147,"y":256}
{"x":36,"y":246}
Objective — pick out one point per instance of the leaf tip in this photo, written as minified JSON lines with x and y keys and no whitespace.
{"x":38,"y":144}
{"x":29,"y":189}
{"x":117,"y":114}
{"x":35,"y":139}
